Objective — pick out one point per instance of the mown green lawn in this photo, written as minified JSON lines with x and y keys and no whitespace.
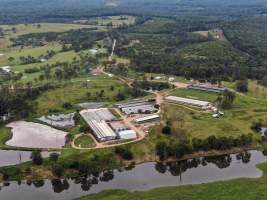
{"x":195,"y":94}
{"x":5,"y":135}
{"x":84,"y":141}
{"x":239,"y":189}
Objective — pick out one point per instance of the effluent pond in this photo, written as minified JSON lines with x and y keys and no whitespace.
{"x":10,"y":157}
{"x":140,"y":177}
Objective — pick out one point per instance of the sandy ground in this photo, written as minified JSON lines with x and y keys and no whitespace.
{"x":33,"y":135}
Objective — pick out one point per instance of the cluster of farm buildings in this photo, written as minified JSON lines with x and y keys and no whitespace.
{"x":205,"y":105}
{"x":106,"y":126}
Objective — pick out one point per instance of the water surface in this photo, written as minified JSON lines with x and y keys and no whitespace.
{"x":12,"y":157}
{"x":141,"y":177}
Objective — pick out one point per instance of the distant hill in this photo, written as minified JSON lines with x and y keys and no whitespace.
{"x":27,"y":11}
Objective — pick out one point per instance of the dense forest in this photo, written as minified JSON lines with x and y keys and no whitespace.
{"x":164,"y":37}
{"x":28,"y":11}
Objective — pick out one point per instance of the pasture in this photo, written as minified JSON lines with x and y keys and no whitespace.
{"x":194,"y":123}
{"x":78,"y":91}
{"x":84,"y":141}
{"x":13,"y":31}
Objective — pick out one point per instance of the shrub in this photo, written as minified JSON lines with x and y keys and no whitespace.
{"x":37,"y":158}
{"x":162,"y":150}
{"x":57,"y":170}
{"x":242,"y":85}
{"x":67,"y":105}
{"x":166,"y":130}
{"x":54,"y":157}
{"x":124,"y":153}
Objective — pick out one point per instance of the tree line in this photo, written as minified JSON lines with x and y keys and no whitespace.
{"x":177,"y":149}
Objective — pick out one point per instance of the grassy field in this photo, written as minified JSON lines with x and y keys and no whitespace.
{"x":84,"y":141}
{"x":34,"y":51}
{"x":76,"y":92}
{"x":16,"y":53}
{"x":236,"y":121}
{"x":115,"y":20}
{"x":249,"y":189}
{"x":22,"y":29}
{"x":154,"y":25}
{"x":254,"y":90}
{"x":195,"y":94}
{"x":5,"y":135}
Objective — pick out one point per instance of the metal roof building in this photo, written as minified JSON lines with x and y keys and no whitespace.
{"x":127,"y":134}
{"x":137,"y":106}
{"x":147,"y":119}
{"x":59,"y":120}
{"x":102,"y":130}
{"x":96,"y":119}
{"x":118,"y":126}
{"x":187,"y":101}
{"x":207,"y":88}
{"x":98,"y":114}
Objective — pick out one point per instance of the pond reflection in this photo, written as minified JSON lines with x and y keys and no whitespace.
{"x":140,"y":177}
{"x":13,"y":157}
{"x":179,"y":167}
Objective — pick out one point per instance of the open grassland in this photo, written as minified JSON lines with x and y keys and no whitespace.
{"x":78,"y":91}
{"x":195,"y":123}
{"x":5,"y":135}
{"x":195,"y":94}
{"x":84,"y":141}
{"x":254,"y":90}
{"x":115,"y":20}
{"x":22,"y":29}
{"x":59,"y":57}
{"x":190,"y":122}
{"x":16,"y":53}
{"x":244,"y":188}
{"x":156,"y":24}
{"x":35,"y":52}
{"x":13,"y":31}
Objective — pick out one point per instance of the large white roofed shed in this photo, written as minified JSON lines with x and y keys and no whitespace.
{"x":182,"y":100}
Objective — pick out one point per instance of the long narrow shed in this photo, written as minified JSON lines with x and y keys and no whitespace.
{"x":187,"y":101}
